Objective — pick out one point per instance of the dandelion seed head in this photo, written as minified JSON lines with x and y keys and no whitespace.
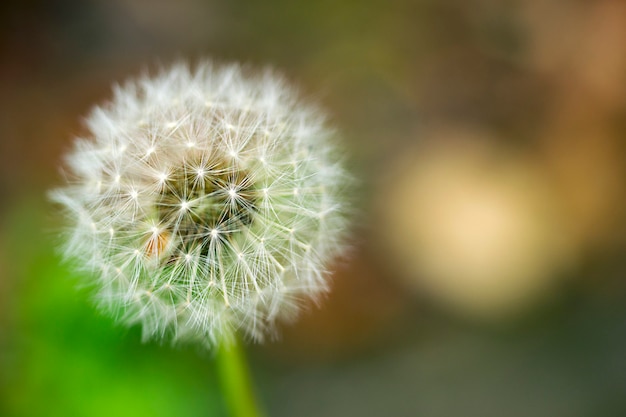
{"x":207,"y":213}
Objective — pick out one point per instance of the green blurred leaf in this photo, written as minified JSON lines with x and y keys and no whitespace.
{"x":63,"y":358}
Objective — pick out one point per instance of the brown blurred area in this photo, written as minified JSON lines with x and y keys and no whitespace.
{"x":488,"y":138}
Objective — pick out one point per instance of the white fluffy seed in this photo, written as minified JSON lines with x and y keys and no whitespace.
{"x":211,"y":261}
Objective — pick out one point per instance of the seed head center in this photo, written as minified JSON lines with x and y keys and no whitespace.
{"x":194,"y":208}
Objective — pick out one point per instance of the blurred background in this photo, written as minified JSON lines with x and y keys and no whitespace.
{"x":487,"y":275}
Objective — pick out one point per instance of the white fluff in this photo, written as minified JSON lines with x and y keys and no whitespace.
{"x":204,"y":201}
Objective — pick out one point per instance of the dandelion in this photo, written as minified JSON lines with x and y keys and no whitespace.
{"x":205,"y":201}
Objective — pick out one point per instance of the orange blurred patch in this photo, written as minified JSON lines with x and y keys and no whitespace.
{"x":473,"y":225}
{"x":157,"y":243}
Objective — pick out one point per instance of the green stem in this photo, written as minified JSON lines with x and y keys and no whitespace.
{"x":235,"y":380}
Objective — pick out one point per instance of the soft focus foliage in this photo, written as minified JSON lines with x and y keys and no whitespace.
{"x":62,"y":359}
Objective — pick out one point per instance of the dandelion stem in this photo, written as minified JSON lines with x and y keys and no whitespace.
{"x":235,"y":380}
